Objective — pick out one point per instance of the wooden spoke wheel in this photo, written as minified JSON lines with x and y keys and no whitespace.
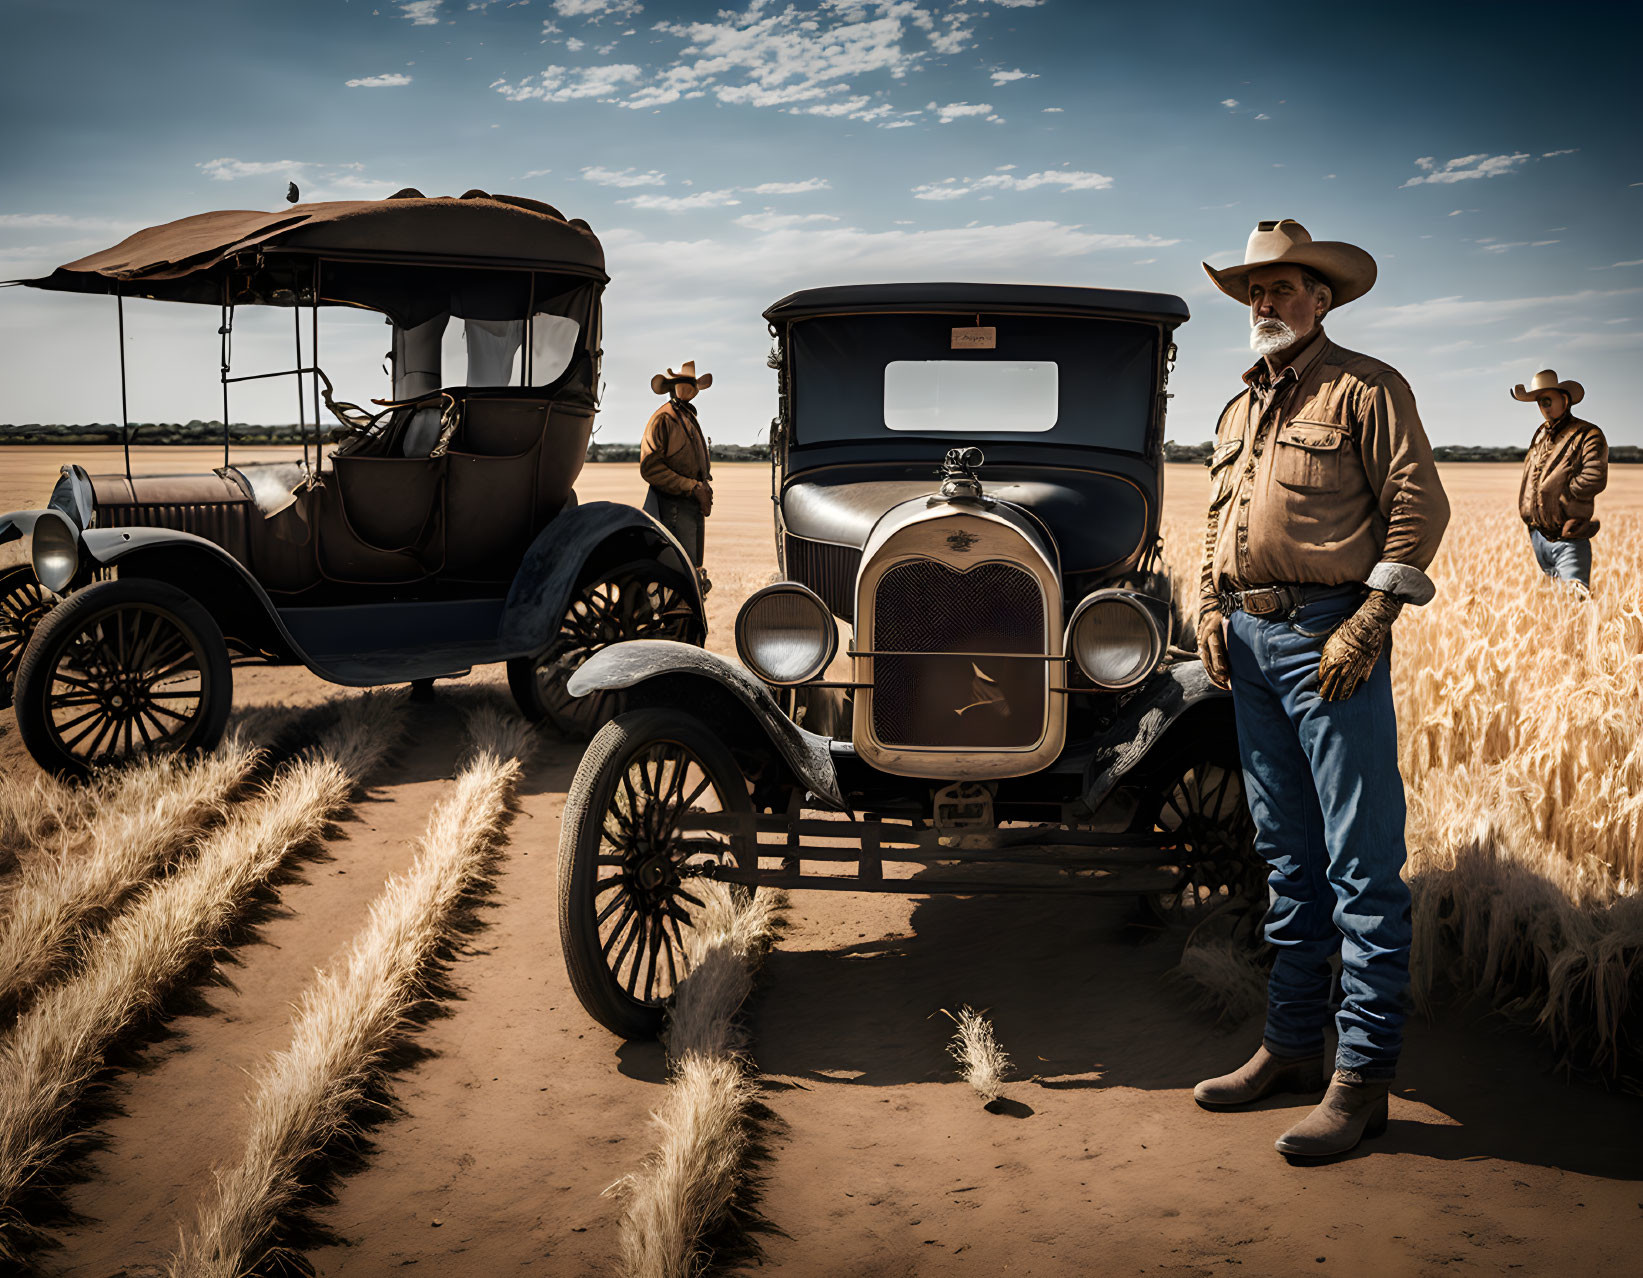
{"x":1198,"y":800}
{"x":627,"y":857}
{"x":23,"y":602}
{"x":121,"y":670}
{"x":638,"y":600}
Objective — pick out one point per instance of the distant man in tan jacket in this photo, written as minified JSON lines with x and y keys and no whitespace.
{"x":1567,"y":467}
{"x":673,"y":460}
{"x":1325,"y":512}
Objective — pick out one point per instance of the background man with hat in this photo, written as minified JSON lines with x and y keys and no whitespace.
{"x":1567,"y":467}
{"x":673,"y":460}
{"x":1325,"y":511}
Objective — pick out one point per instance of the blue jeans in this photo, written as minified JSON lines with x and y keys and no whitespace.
{"x":1565,"y":560}
{"x":1327,"y":799}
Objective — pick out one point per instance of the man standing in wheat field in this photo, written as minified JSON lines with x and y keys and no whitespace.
{"x":1325,"y":511}
{"x":1567,"y":467}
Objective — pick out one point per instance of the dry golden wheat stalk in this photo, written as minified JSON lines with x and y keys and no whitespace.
{"x":982,"y":1061}
{"x":353,"y":1011}
{"x":689,"y":1181}
{"x":162,"y":805}
{"x":58,"y":1045}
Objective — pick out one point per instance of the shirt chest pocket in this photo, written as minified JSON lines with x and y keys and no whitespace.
{"x":1307,"y":456}
{"x":1220,"y":472}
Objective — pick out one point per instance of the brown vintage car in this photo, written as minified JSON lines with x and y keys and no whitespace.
{"x":439,"y":531}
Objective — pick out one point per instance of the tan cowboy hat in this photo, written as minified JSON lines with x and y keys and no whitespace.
{"x":1349,"y":270}
{"x":1546,"y":380}
{"x":687,"y":373}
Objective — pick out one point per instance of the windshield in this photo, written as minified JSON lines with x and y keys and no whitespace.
{"x":1076,"y":381}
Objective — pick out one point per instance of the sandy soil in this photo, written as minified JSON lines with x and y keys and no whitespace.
{"x":522,"y":1111}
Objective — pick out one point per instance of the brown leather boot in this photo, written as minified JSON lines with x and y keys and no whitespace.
{"x":1351,"y":1109}
{"x":1262,"y":1076}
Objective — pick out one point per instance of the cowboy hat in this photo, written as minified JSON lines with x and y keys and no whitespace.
{"x":1348,"y":269}
{"x":687,"y":373}
{"x":1546,"y":380}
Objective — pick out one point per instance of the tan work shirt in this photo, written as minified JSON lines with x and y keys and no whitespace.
{"x":673,"y":453}
{"x":1567,"y":467}
{"x":1323,"y":475}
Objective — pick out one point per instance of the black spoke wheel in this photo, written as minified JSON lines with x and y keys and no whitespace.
{"x":638,"y":600}
{"x":628,"y":856}
{"x":121,"y":670}
{"x":23,"y":603}
{"x":1198,"y":801}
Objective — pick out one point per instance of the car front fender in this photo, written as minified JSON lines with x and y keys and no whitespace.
{"x":683,"y":670}
{"x":599,"y":534}
{"x":1177,"y":695}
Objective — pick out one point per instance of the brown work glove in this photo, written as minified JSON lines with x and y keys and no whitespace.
{"x":1579,"y":529}
{"x":703,"y":492}
{"x":1354,"y":647}
{"x":1212,"y":645}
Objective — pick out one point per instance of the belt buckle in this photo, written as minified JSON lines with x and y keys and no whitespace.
{"x":1259,"y":603}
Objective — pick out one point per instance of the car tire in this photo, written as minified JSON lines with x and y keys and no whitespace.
{"x":1200,"y":791}
{"x":133,"y":658}
{"x":641,"y":599}
{"x":24,"y":603}
{"x":619,"y":892}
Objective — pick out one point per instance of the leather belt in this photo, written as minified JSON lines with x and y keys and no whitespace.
{"x":1268,"y":601}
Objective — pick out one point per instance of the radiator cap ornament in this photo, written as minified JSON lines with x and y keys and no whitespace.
{"x":958,"y":473}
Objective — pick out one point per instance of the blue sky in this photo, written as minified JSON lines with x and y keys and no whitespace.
{"x":728,"y":154}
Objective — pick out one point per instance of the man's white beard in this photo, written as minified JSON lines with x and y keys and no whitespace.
{"x":1269,"y":336}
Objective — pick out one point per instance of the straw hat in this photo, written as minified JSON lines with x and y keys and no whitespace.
{"x":1349,"y":270}
{"x":1546,"y":380}
{"x":661,"y":383}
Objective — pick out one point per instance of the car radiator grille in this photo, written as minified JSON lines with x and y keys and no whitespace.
{"x":828,"y":570}
{"x":221,"y":522}
{"x":965,"y":701}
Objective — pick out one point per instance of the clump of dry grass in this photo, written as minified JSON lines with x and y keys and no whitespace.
{"x":157,"y":807}
{"x":981,"y":1058}
{"x":689,"y":1182}
{"x":1228,"y":979}
{"x":354,"y":1011}
{"x":1519,"y":705}
{"x":58,"y":1045}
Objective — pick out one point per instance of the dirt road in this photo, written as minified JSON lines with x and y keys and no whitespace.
{"x":516,"y":1111}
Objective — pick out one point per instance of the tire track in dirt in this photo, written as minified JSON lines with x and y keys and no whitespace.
{"x":160,"y":1150}
{"x":886,"y":1164}
{"x":525,"y":1111}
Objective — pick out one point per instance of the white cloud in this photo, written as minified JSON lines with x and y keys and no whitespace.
{"x":790,"y":188}
{"x":1636,"y":261}
{"x":1262,"y":116}
{"x":66,"y":222}
{"x":534,"y":173}
{"x":1229,"y":103}
{"x":961,"y":110}
{"x":1066,"y":179}
{"x":229,"y":170}
{"x":562,"y":84}
{"x":1466,"y":168}
{"x":422,"y":13}
{"x":1054,"y":110}
{"x":780,"y":221}
{"x":1546,"y":155}
{"x":597,"y":10}
{"x":1458,"y":311}
{"x":574,"y":45}
{"x":393,"y":80}
{"x":622,"y":177}
{"x":1498,"y":246}
{"x":682,"y":203}
{"x":1009,"y":77}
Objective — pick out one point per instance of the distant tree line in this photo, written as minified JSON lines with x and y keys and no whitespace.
{"x":198,"y":432}
{"x":1443,"y":452}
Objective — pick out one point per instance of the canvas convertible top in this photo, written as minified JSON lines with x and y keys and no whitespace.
{"x":187,"y":260}
{"x":1021,"y":299}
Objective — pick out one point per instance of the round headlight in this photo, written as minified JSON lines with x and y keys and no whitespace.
{"x":56,"y":551}
{"x":786,"y":634}
{"x":1115,"y":638}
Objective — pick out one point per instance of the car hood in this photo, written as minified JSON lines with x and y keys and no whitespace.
{"x":1098,"y":520}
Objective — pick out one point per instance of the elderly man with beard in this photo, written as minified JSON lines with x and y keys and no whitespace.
{"x":1326,"y":510}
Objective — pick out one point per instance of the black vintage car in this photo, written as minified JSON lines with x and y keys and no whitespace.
{"x":967,"y":480}
{"x":439,"y":532}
